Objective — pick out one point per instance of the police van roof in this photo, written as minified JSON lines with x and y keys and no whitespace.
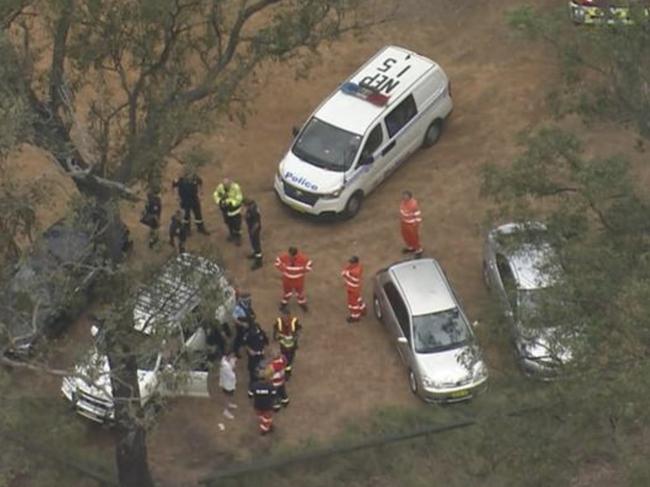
{"x":390,"y":73}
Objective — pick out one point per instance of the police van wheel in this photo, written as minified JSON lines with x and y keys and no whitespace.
{"x":433,"y":134}
{"x":353,"y":205}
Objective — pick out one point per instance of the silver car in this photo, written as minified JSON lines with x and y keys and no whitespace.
{"x":433,"y":336}
{"x":519,"y":267}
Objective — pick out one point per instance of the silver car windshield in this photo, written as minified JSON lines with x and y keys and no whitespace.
{"x":327,"y":146}
{"x":439,"y":331}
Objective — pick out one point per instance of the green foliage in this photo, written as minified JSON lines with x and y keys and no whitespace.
{"x":597,"y":220}
{"x":32,"y":431}
{"x":606,"y":67}
{"x":165,"y":70}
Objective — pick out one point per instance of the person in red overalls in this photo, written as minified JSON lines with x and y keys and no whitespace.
{"x":352,"y":275}
{"x":277,"y":368}
{"x":293,"y":265}
{"x":410,"y":224}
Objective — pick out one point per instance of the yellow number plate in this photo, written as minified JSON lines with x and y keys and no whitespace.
{"x":459,"y":394}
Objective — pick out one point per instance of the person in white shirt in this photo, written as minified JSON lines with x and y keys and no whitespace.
{"x":228,"y":381}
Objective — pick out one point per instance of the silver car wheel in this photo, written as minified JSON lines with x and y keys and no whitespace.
{"x":486,"y":275}
{"x":413,"y":382}
{"x":376,"y":306}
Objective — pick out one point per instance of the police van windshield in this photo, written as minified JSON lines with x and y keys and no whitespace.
{"x":326,"y":146}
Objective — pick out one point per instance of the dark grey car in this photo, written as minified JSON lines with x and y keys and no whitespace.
{"x":43,"y":291}
{"x":519,"y":267}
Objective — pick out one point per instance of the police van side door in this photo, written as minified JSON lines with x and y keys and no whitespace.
{"x":403,"y":139}
{"x":371,"y":162}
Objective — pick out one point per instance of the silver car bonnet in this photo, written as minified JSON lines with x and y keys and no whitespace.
{"x":449,"y":368}
{"x":545,"y":345}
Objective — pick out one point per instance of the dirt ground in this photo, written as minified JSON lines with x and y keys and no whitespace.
{"x":346,"y":372}
{"x":343,"y":372}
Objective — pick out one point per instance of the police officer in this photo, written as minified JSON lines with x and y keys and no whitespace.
{"x":255,"y":340}
{"x":189,"y":192}
{"x":254,"y":225}
{"x":229,"y":198}
{"x":243,"y":316}
{"x":151,"y":216}
{"x":263,"y":394}
{"x":177,"y":231}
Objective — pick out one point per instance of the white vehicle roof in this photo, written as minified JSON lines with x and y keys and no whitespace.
{"x":423,"y":285}
{"x":177,"y":290}
{"x":391,"y":72}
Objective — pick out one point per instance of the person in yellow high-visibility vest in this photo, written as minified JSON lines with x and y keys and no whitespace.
{"x":286,"y":330}
{"x":228,"y":196}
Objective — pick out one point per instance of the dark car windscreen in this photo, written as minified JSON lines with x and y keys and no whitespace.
{"x":327,"y":146}
{"x":440,"y":331}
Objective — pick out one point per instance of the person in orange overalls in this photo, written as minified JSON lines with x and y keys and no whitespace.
{"x":294,"y":266}
{"x":411,"y":218}
{"x":277,"y":371}
{"x":352,"y":275}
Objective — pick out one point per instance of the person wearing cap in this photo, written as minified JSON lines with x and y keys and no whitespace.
{"x":254,"y":225}
{"x":228,"y":197}
{"x":352,"y":275}
{"x":189,"y":194}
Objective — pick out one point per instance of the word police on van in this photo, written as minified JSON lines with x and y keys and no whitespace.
{"x":394,"y":104}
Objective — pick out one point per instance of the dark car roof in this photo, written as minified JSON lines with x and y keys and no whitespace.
{"x":35,"y":279}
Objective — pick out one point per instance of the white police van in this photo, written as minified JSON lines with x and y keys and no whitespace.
{"x":395,"y":103}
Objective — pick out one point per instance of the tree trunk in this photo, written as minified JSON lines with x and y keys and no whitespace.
{"x":130,"y":444}
{"x":131,"y":456}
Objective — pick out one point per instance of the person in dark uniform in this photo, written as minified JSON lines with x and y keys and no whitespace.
{"x":255,"y":340}
{"x":151,"y":216}
{"x":189,"y":192}
{"x":177,"y":231}
{"x":243,"y":315}
{"x":214,"y":338}
{"x":263,"y":394}
{"x":254,"y":225}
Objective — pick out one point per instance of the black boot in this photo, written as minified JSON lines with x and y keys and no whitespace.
{"x":257,"y":264}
